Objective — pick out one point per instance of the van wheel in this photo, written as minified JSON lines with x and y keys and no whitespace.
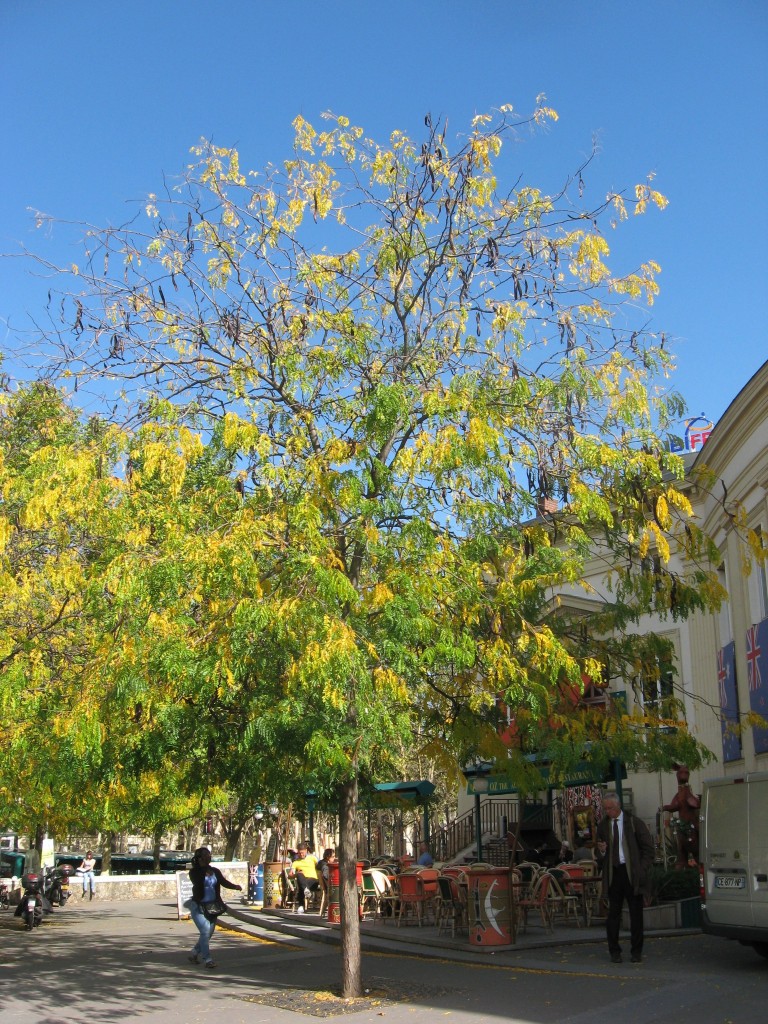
{"x":761,"y":948}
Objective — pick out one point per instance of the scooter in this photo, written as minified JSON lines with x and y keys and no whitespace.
{"x":33,"y":904}
{"x":57,"y":888}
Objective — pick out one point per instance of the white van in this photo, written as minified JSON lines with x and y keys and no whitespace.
{"x":733,"y":840}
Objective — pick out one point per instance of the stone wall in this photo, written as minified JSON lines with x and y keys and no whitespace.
{"x":149,"y":887}
{"x":131,"y":887}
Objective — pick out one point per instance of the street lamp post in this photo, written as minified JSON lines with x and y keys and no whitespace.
{"x":477,"y":775}
{"x":479,"y":786}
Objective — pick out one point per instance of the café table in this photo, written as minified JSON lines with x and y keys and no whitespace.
{"x":587,"y":887}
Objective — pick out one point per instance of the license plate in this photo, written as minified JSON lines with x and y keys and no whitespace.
{"x":730,"y":882}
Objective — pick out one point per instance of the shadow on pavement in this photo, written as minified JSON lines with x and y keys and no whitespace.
{"x":118,"y":962}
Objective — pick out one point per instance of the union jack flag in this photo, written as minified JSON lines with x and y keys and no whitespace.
{"x":729,"y":702}
{"x":757,"y":672}
{"x":722,"y":677}
{"x":753,"y":659}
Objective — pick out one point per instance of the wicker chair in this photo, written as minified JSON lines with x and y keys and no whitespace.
{"x":451,"y":908}
{"x":386,"y":895}
{"x":369,"y":897}
{"x":538,"y":900}
{"x":563,"y":900}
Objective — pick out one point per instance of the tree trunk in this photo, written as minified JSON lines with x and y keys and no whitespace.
{"x":106,"y":852}
{"x":37,"y":839}
{"x":231,"y":838}
{"x":351,"y":984}
{"x":157,"y":837}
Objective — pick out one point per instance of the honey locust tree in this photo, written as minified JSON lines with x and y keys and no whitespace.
{"x":175,"y":669}
{"x":53,"y":508}
{"x":411,"y":351}
{"x":98,"y":730}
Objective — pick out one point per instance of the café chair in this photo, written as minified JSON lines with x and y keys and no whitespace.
{"x":451,"y":907}
{"x":539,"y":900}
{"x":412,"y":897}
{"x":563,"y":900}
{"x":386,"y":894}
{"x":369,"y":897}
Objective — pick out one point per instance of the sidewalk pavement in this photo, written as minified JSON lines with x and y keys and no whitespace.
{"x":128,"y":962}
{"x":424,"y":941}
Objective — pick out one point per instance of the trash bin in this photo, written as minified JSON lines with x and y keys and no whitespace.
{"x":256,"y":884}
{"x":490,"y":908}
{"x":334,"y":908}
{"x":272,"y":871}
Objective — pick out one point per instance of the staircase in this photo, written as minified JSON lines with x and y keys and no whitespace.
{"x":457,"y":841}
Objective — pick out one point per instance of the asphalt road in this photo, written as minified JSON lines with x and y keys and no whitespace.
{"x":101,"y":962}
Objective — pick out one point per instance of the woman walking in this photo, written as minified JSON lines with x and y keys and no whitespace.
{"x":206,"y":889}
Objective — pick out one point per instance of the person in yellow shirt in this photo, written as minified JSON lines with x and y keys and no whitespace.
{"x":304,"y":870}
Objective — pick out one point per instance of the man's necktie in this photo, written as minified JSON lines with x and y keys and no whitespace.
{"x":616,"y":859}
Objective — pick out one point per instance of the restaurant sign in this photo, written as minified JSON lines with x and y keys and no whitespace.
{"x":697,"y":430}
{"x":500,"y":785}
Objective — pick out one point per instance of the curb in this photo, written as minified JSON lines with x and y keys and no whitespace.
{"x":429,"y":948}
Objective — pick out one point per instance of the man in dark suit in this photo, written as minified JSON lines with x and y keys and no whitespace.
{"x":624,"y":855}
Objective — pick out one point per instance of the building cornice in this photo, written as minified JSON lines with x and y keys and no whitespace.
{"x":747,"y":413}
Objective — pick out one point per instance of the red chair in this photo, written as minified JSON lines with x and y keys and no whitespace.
{"x":581,"y":882}
{"x":412,"y":897}
{"x":454,"y":871}
{"x":540,"y":901}
{"x":429,"y":877}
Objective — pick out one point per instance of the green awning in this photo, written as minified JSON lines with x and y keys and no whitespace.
{"x":392,"y":794}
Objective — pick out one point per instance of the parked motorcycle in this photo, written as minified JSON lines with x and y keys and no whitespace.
{"x":57,"y":888}
{"x":33,"y":904}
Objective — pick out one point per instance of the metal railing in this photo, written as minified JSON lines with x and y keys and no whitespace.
{"x":497,"y":819}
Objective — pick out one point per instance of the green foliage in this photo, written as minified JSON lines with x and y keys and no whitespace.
{"x":671,"y":884}
{"x":365,"y":374}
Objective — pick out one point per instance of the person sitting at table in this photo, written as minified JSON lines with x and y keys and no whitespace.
{"x":329,"y":857}
{"x":304,"y":870}
{"x":425,"y":857}
{"x":566,"y":853}
{"x":582,"y":853}
{"x":535,"y":854}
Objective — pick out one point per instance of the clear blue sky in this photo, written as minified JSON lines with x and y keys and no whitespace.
{"x":98,"y":99}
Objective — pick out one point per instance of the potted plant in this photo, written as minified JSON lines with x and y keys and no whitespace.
{"x":674,"y":901}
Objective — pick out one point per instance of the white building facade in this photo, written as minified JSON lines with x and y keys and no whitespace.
{"x":720,"y":659}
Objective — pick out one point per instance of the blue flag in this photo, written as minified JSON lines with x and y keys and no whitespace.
{"x":757,"y":678}
{"x":729,"y":702}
